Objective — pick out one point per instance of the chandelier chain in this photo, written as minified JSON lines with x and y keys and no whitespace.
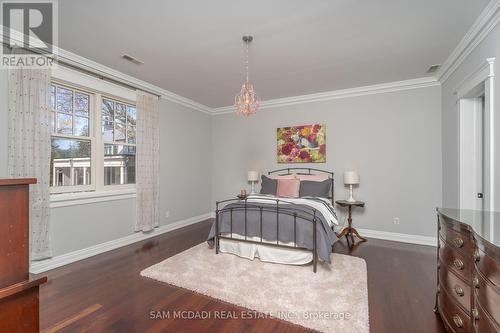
{"x":247,"y":62}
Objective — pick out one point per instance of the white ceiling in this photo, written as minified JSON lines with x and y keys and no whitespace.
{"x":194,"y":48}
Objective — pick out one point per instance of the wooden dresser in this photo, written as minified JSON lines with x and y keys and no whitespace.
{"x":468,"y":275}
{"x":19,"y":307}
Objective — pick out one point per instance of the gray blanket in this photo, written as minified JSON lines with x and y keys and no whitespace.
{"x":285,"y":231}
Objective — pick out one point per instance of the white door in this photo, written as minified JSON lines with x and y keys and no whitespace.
{"x":471,"y":153}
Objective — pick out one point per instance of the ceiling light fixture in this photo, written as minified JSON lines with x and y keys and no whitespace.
{"x":247,"y":102}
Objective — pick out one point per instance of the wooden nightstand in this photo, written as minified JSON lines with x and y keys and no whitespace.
{"x":349,"y":231}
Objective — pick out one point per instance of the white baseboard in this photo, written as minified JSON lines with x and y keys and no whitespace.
{"x":64,"y":259}
{"x":397,"y":237}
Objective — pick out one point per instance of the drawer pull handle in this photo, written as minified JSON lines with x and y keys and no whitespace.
{"x":459,"y":264}
{"x":475,"y":314}
{"x":458,"y":242}
{"x":458,"y":321}
{"x":459,"y":291}
{"x":477,"y":257}
{"x":475,"y":281}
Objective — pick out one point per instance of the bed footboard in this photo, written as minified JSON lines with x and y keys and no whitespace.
{"x":289,"y":209}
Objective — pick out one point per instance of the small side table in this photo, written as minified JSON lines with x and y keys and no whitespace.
{"x":349,"y":231}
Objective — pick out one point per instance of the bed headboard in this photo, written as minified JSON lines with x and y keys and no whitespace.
{"x":307,"y":171}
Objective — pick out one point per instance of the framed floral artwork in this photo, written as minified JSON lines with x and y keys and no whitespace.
{"x":302,"y":144}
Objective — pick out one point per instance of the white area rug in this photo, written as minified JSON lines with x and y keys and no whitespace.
{"x":335,"y":299}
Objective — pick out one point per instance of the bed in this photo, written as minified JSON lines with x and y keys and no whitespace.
{"x":278,"y":229}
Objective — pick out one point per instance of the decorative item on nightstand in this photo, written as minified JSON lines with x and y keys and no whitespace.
{"x":351,"y":178}
{"x":253,"y":177}
{"x":243,"y":195}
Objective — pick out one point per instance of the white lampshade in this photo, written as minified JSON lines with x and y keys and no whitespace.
{"x":351,"y":178}
{"x":253,"y":176}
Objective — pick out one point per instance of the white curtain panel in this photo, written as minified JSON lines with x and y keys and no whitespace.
{"x":147,"y":162}
{"x":29,"y":148}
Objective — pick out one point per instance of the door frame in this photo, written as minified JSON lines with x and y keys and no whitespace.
{"x":481,"y":80}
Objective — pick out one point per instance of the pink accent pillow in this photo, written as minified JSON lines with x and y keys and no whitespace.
{"x":292,"y":176}
{"x":288,"y":188}
{"x":313,"y":178}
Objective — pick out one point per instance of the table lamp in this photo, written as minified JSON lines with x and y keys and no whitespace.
{"x":253,"y":177}
{"x":351,"y":178}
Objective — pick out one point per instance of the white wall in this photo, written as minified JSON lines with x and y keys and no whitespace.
{"x":185,"y":154}
{"x":392,"y":139}
{"x":77,"y":227}
{"x":488,"y":48}
{"x":184,"y":181}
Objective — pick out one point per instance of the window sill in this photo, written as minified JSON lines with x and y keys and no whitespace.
{"x":83,"y":198}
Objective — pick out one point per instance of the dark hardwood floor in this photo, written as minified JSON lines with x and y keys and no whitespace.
{"x":105,"y":293}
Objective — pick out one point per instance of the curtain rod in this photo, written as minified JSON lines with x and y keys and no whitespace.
{"x":85,"y":71}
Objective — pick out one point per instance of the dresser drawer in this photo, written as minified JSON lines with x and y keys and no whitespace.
{"x":482,"y":322}
{"x":455,"y":261}
{"x":488,"y":297}
{"x":457,"y":236}
{"x":458,"y":289}
{"x":455,"y":318}
{"x":489,"y":267}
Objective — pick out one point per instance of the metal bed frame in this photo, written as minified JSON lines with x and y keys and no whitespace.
{"x":289,"y":209}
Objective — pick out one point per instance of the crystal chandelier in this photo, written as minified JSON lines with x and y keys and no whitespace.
{"x":246,"y":102}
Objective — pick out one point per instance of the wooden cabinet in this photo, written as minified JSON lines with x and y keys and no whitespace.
{"x":19,"y":307}
{"x":468,"y":291}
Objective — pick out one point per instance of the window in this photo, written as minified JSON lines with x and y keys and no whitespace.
{"x":92,"y":147}
{"x":118,"y":134}
{"x":71,"y":162}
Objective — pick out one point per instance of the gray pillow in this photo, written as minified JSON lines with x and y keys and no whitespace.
{"x":315,"y":189}
{"x":268,"y":185}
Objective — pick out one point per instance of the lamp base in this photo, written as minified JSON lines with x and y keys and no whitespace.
{"x":350,"y":199}
{"x":253,"y":188}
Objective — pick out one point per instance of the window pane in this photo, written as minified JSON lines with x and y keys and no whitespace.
{"x":119,"y":165}
{"x":64,"y":100}
{"x":81,"y":126}
{"x":53,"y":97}
{"x":64,"y":123}
{"x":131,"y":115}
{"x":107,"y":110}
{"x":52,"y":121}
{"x":131,"y":134}
{"x":120,"y":113}
{"x":119,"y":132}
{"x":70,"y":162}
{"x":82,"y":104}
{"x":107,"y":130}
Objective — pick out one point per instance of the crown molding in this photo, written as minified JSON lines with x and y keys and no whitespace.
{"x":483,"y":25}
{"x":343,"y":93}
{"x":106,"y":72}
{"x":481,"y":74}
{"x":101,"y":70}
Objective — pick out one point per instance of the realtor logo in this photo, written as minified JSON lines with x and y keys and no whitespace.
{"x":29,"y":34}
